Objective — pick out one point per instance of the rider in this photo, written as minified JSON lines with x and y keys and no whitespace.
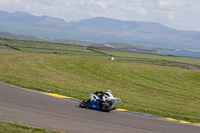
{"x":100,"y":95}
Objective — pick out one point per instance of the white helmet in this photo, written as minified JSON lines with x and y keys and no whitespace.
{"x":109,"y":91}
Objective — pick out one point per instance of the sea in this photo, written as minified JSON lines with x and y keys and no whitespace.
{"x":180,"y":53}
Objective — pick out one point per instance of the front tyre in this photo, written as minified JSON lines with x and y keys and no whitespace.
{"x":84,"y":103}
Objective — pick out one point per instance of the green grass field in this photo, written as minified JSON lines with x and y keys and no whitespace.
{"x":146,"y":58}
{"x":10,"y":127}
{"x":139,"y":79}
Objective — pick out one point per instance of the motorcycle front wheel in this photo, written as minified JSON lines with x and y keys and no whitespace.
{"x":84,"y":103}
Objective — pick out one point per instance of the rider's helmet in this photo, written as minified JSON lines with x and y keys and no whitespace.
{"x":109,"y":91}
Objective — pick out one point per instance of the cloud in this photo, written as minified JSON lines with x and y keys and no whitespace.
{"x":102,"y":4}
{"x":164,"y":3}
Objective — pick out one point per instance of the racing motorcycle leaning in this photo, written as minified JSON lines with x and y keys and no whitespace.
{"x":100,"y":101}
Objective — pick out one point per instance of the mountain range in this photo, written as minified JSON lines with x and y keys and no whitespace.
{"x":100,"y":29}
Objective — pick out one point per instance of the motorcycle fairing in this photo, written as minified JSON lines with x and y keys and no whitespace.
{"x":93,"y":105}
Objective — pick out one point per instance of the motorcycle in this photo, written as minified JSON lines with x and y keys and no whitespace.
{"x":106,"y":105}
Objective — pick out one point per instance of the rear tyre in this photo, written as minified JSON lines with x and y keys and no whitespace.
{"x":108,"y":108}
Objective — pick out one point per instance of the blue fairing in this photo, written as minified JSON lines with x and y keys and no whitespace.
{"x":100,"y":96}
{"x":93,"y":105}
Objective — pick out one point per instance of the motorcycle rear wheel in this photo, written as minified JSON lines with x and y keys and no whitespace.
{"x":109,"y":108}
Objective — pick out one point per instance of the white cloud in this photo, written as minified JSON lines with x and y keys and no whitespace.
{"x":164,"y":3}
{"x":142,"y":11}
{"x":5,"y":2}
{"x":102,"y":4}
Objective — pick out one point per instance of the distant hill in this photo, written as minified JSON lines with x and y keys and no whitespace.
{"x":100,"y":30}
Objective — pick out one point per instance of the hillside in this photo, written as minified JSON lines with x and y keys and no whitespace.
{"x":100,"y":30}
{"x":96,"y":52}
{"x":146,"y":83}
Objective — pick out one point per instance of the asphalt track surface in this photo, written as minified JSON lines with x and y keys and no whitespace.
{"x":36,"y":109}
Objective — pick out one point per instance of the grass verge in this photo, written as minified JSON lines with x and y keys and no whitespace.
{"x":10,"y":127}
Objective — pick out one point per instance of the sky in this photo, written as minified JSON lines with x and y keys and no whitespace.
{"x":177,"y":14}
